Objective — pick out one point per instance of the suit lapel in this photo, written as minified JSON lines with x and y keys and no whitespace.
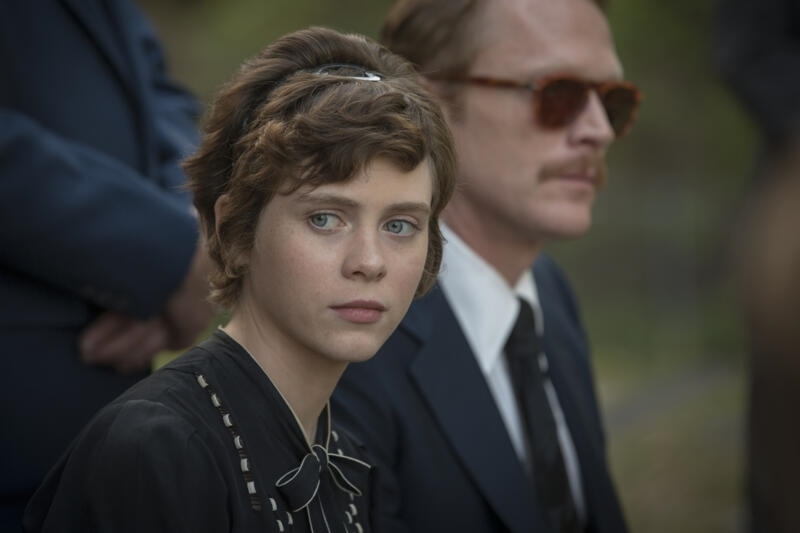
{"x":95,"y":21}
{"x":576,"y":398}
{"x":453,"y":386}
{"x":566,"y":378}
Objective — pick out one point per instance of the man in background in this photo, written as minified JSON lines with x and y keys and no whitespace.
{"x":100,"y":261}
{"x":757,"y":53}
{"x":481,"y":409}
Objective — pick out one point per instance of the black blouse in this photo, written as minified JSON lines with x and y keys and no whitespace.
{"x":205,"y":444}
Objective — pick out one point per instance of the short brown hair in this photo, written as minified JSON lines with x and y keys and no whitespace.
{"x":439,"y":36}
{"x":436,"y":36}
{"x":279,"y":124}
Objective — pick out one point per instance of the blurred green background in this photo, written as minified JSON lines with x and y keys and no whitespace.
{"x":654,"y":274}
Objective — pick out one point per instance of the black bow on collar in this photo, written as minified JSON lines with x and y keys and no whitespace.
{"x":300,"y":485}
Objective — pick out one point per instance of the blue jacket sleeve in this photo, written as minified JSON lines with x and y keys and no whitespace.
{"x":174,"y":110}
{"x":117,"y":232}
{"x":77,"y":219}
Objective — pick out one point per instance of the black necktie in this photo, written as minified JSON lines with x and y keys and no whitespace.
{"x":544,"y":452}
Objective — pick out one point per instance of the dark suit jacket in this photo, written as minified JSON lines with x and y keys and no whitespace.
{"x":91,"y":214}
{"x":446,"y":463}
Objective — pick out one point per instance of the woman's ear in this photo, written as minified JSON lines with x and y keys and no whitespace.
{"x":234,"y":258}
{"x":221,"y":207}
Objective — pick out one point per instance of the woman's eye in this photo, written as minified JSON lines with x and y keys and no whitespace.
{"x":400,"y":227}
{"x":323,"y":220}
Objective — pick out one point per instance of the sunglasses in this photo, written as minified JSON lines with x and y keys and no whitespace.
{"x":558,"y":100}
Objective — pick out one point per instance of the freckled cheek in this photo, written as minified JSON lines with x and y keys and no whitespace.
{"x":409,"y":266}
{"x":310,"y":263}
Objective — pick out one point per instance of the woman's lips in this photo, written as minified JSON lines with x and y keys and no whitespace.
{"x":360,"y":311}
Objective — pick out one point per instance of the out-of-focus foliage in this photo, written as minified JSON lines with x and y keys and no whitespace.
{"x":207,"y":39}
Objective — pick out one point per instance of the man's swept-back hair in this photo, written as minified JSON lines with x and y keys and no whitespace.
{"x":314,"y":107}
{"x":439,"y":36}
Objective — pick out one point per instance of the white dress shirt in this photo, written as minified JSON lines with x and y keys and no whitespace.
{"x":486,"y":307}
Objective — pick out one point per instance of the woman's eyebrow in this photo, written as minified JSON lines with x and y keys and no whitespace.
{"x":313,"y":197}
{"x":414,"y":207}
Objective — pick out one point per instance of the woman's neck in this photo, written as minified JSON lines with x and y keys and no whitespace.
{"x":305,"y":379}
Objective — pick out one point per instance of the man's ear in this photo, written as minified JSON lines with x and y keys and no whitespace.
{"x":444,"y":97}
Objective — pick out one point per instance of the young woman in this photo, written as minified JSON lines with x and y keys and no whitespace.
{"x":319,"y":185}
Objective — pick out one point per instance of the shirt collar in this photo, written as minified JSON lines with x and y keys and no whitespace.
{"x":484,"y":304}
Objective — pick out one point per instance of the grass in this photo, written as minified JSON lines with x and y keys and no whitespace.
{"x":676,"y":446}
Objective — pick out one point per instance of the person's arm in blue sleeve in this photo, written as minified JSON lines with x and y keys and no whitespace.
{"x":175,"y":111}
{"x":87,"y":224}
{"x":81,"y":221}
